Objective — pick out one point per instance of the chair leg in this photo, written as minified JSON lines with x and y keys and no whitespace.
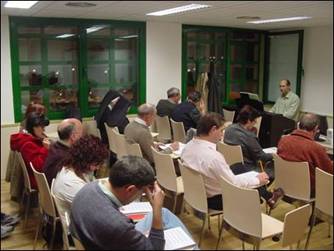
{"x":313,"y":217}
{"x":53,"y":233}
{"x":243,"y":245}
{"x":174,"y":203}
{"x":209,"y":225}
{"x":220,"y":235}
{"x":38,"y":230}
{"x":202,"y":231}
{"x":329,"y":230}
{"x":27,"y":209}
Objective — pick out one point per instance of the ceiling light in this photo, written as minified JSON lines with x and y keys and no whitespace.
{"x":278,"y":20}
{"x":65,"y":35}
{"x":95,"y":28}
{"x":130,"y":36}
{"x":20,"y":4}
{"x":178,"y":9}
{"x":80,"y":4}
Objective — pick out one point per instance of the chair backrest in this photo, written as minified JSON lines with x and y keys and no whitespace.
{"x":111,"y":137}
{"x":258,"y":125}
{"x":295,"y":225}
{"x":241,"y":207}
{"x":77,"y":243}
{"x":178,"y":131}
{"x":26,"y":179}
{"x":61,"y":206}
{"x":228,"y":115}
{"x":194,"y":189}
{"x":163,"y":128}
{"x":165,"y":170}
{"x":134,"y":149}
{"x":232,"y":154}
{"x":293,"y":178}
{"x":91,"y":128}
{"x":324,"y":191}
{"x":46,"y":201}
{"x":120,"y":144}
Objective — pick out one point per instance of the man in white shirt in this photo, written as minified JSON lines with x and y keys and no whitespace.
{"x":201,"y":155}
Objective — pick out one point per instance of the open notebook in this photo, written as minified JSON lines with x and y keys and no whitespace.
{"x":177,"y":152}
{"x":136,"y":210}
{"x":176,"y":238}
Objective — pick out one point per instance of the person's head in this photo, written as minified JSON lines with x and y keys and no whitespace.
{"x":70,"y":130}
{"x":210,"y":127}
{"x":35,"y":107}
{"x":309,"y":122}
{"x":129,"y":177}
{"x":174,"y":94}
{"x":247,"y":117}
{"x":86,"y":155}
{"x":147,"y":113}
{"x":36,"y":123}
{"x":285,"y":86}
{"x":194,"y":97}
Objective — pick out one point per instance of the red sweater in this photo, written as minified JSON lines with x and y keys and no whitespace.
{"x":300,"y":146}
{"x":32,"y":150}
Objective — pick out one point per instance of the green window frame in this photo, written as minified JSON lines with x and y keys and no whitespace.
{"x":138,"y":63}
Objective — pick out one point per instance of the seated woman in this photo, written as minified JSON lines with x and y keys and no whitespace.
{"x":32,"y":107}
{"x":243,"y":133}
{"x":85,"y":156}
{"x":33,"y":145}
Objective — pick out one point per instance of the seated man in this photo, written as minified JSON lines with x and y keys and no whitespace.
{"x":138,"y":131}
{"x":69,"y":131}
{"x":201,"y":155}
{"x":241,"y":133}
{"x":166,"y":106}
{"x":288,"y":103}
{"x":301,"y":146}
{"x":97,"y":221}
{"x":189,"y":111}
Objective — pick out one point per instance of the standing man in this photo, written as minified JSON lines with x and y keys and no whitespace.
{"x":69,"y":131}
{"x":166,"y":106}
{"x":288,"y":103}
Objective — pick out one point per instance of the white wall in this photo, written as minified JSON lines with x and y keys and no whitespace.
{"x":163,"y":59}
{"x":7,"y":108}
{"x":317,"y":83}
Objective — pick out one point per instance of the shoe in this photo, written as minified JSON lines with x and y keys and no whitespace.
{"x":277,"y":195}
{"x":10,"y":220}
{"x":6,"y":230}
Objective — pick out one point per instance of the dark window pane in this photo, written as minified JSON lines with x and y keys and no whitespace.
{"x":62,"y":74}
{"x":29,"y":49}
{"x":126,"y":49}
{"x":62,"y":50}
{"x":61,"y":98}
{"x":98,"y":74}
{"x":30,"y":75}
{"x":98,"y":50}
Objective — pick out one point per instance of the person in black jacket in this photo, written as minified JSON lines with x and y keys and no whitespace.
{"x":187,"y":112}
{"x":166,"y":106}
{"x":112,"y":110}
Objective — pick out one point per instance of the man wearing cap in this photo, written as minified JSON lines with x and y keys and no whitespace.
{"x":33,"y":145}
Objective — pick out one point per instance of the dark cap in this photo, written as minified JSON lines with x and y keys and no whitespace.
{"x":35,"y":119}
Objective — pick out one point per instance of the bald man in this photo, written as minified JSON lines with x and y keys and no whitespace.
{"x":301,"y":146}
{"x":69,"y":131}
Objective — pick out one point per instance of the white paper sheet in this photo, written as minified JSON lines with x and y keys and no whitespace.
{"x":136,"y":207}
{"x":176,"y":238}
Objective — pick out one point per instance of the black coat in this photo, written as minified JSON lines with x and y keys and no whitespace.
{"x":115,"y":117}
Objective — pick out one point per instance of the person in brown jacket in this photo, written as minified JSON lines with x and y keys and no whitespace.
{"x":301,"y":146}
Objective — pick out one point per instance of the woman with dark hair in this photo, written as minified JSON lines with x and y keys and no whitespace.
{"x":85,"y":156}
{"x":33,"y":145}
{"x":32,"y":107}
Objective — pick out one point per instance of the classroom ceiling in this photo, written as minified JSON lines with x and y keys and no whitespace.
{"x":221,"y":13}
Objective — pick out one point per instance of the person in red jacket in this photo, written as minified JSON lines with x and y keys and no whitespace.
{"x":301,"y":146}
{"x":33,"y":145}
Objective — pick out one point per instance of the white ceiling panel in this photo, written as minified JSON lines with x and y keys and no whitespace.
{"x":221,"y":13}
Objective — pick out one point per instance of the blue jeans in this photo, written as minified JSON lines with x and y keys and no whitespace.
{"x":169,"y":219}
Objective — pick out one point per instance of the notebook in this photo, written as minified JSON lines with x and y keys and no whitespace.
{"x":177,"y":152}
{"x":176,"y":238}
{"x":270,"y":150}
{"x":250,"y":174}
{"x":136,"y":208}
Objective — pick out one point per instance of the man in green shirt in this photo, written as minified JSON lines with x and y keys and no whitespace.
{"x":288,"y":103}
